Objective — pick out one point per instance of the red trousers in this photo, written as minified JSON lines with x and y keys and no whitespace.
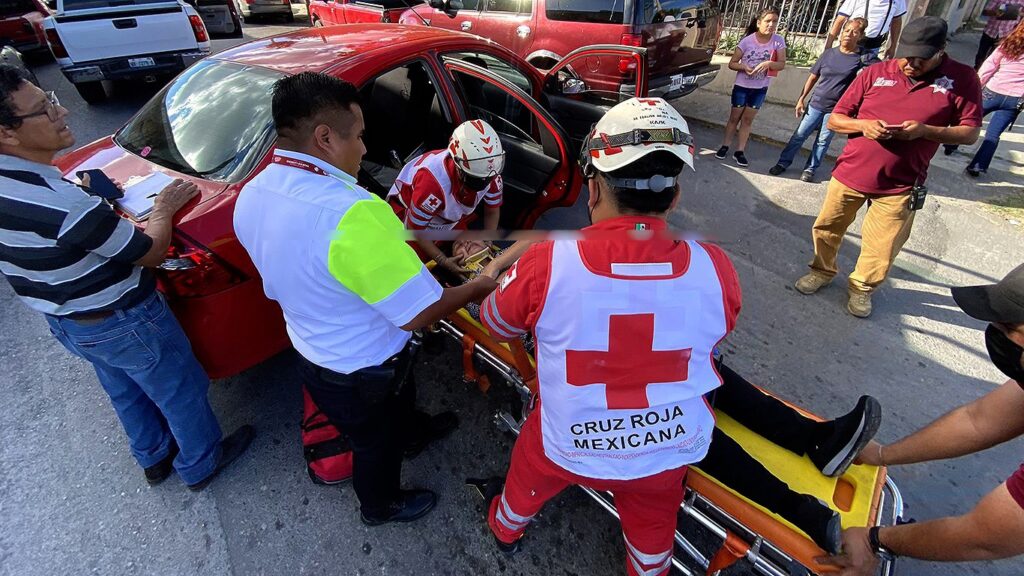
{"x":647,"y":506}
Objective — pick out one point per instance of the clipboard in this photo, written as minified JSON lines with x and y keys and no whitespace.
{"x":140,"y":194}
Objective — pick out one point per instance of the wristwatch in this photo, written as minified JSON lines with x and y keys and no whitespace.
{"x":880,"y":550}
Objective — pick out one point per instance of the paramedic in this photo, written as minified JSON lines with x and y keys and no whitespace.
{"x":352,"y":290}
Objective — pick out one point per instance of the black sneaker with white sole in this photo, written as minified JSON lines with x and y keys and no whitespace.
{"x":849,"y":435}
{"x":722,"y":152}
{"x":491,"y":488}
{"x":740,"y":158}
{"x":820,"y":522}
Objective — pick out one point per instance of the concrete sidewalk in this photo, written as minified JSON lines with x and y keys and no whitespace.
{"x":775,"y":124}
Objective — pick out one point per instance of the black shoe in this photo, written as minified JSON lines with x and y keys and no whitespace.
{"x":231,"y":447}
{"x":777,"y":169}
{"x":850,"y":433}
{"x":820,"y":522}
{"x":490,"y":489}
{"x":807,"y":176}
{"x":429,"y":429}
{"x":740,"y":158}
{"x":948,"y":149}
{"x":722,"y":152}
{"x":411,"y":505}
{"x":159,"y":472}
{"x":972,"y":172}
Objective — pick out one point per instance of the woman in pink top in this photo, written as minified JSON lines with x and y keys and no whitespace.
{"x":757,"y":58}
{"x":1002,"y":76}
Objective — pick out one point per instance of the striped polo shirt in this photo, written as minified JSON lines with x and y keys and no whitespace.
{"x":63,"y":250}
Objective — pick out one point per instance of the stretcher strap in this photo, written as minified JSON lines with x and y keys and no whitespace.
{"x":469,"y":370}
{"x":523,"y":364}
{"x":732,"y":550}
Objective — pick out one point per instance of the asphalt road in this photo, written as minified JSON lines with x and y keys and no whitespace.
{"x":72,"y":500}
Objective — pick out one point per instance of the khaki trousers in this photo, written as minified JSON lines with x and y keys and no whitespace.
{"x":886,"y":227}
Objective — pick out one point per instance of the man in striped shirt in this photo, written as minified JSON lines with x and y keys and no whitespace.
{"x":68,"y":255}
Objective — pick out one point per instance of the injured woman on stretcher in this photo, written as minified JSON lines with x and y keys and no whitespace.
{"x":831,"y":445}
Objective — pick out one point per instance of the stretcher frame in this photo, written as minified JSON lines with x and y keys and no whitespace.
{"x":764,"y":556}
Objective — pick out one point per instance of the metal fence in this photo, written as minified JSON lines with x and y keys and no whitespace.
{"x":803,"y":23}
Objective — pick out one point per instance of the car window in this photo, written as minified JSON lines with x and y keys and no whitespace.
{"x":213,"y":121}
{"x":498,"y":107}
{"x":513,"y":6}
{"x":469,"y":5}
{"x":16,"y":7}
{"x":86,"y":4}
{"x":599,"y":11}
{"x":660,"y":11}
{"x":496,"y":65}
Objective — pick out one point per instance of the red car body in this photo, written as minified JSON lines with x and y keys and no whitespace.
{"x":680,"y":35}
{"x":209,"y":280}
{"x":21,"y":24}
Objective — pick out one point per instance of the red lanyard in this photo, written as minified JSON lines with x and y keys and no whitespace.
{"x":300,"y":164}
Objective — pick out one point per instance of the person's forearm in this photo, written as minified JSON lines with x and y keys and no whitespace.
{"x":491,"y":218}
{"x":451,"y":300}
{"x":843,"y":124}
{"x":777,"y":65}
{"x":962,"y":135}
{"x":158,"y":228}
{"x":895,"y":29}
{"x":837,"y":27}
{"x":808,"y":86}
{"x":430,"y":249}
{"x":737,"y":66}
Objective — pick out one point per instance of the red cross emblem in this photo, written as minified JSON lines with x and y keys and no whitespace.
{"x":630,"y":364}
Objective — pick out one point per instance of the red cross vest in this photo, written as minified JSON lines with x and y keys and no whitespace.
{"x":623,"y":362}
{"x":452,"y":211}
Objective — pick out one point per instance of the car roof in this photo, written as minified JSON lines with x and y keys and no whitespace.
{"x":321,"y":49}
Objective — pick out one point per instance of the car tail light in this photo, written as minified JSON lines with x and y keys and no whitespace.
{"x":56,"y":46}
{"x":627,"y":64}
{"x":198,"y":28}
{"x":192,"y":271}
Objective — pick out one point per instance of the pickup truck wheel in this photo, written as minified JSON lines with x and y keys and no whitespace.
{"x":91,"y":92}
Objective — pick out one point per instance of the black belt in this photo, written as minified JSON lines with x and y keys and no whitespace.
{"x":90,"y":316}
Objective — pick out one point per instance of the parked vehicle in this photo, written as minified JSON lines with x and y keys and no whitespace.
{"x":10,"y":56}
{"x":253,"y":9}
{"x":97,"y":40}
{"x":330,"y":12}
{"x":219,"y":16}
{"x":300,"y":9}
{"x":212,"y":125}
{"x":21,"y":24}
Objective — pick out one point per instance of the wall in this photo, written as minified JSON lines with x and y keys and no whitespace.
{"x":785,"y":88}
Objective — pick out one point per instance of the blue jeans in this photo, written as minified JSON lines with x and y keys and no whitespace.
{"x":1004,"y":110}
{"x":813,"y":120}
{"x":158,"y":389}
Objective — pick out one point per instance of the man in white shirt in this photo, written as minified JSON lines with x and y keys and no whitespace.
{"x":885,"y":22}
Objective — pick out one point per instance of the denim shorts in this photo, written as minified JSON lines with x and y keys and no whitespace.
{"x":748,"y":97}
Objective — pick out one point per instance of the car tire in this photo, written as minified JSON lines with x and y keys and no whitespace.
{"x":91,"y":92}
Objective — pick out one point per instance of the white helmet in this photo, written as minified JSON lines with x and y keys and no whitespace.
{"x":631,"y":130}
{"x":476,"y":149}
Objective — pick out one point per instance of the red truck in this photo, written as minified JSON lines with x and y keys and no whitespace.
{"x":680,"y":35}
{"x":21,"y":24}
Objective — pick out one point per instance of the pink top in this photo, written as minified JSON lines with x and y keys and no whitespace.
{"x":753,"y":54}
{"x":1002,"y":75}
{"x":997,"y":28}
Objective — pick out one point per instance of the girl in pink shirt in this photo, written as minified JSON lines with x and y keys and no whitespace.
{"x":758,"y":57}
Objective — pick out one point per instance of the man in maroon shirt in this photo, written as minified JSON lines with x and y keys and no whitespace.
{"x":897,"y":113}
{"x":995,"y":527}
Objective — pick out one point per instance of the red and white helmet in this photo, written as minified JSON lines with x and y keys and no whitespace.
{"x":632,"y":130}
{"x":476,"y":149}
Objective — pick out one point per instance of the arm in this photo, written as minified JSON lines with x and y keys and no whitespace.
{"x":992,"y":419}
{"x":992,"y":9}
{"x":801,"y":101}
{"x":492,"y":215}
{"x":895,"y":29}
{"x":963,"y":135}
{"x":735,"y":64}
{"x":990,"y":66}
{"x":161,"y":220}
{"x":843,"y":124}
{"x":451,"y":300}
{"x":833,"y":33}
{"x":780,"y":63}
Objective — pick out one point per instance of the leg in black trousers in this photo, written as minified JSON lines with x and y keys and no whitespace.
{"x":985,"y":49}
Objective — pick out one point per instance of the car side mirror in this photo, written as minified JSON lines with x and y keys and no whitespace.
{"x":449,"y":7}
{"x":573,"y":86}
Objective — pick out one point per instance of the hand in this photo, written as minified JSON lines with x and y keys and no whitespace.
{"x":174,"y":196}
{"x":800,"y":108}
{"x":870,"y":455}
{"x":450,"y":265}
{"x":762,"y":68}
{"x":890,"y":53}
{"x":912,"y":130}
{"x":493,"y":269}
{"x":750,"y":71}
{"x":463,"y":249}
{"x":857,"y":559}
{"x":874,"y":130}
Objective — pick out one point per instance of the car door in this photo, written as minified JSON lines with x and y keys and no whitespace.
{"x":540,"y":167}
{"x":592,"y":79}
{"x":464,"y":20}
{"x":507,"y":22}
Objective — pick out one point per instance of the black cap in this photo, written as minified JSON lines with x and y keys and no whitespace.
{"x":923,"y":38}
{"x":1002,"y":302}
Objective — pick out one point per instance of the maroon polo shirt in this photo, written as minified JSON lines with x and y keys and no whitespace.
{"x":948,"y":96}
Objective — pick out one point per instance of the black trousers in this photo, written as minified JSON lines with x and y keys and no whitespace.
{"x":768,"y":417}
{"x":985,"y":49}
{"x":375,"y":408}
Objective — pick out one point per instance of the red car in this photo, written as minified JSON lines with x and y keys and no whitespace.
{"x":21,"y":24}
{"x":680,"y":35}
{"x":212,"y":125}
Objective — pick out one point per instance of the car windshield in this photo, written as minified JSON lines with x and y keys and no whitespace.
{"x":213,"y":121}
{"x":597,"y":11}
{"x":15,"y":7}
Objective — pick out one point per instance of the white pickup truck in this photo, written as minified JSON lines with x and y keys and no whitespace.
{"x":97,"y":40}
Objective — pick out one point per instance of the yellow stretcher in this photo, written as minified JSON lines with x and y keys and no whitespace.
{"x":863,"y":496}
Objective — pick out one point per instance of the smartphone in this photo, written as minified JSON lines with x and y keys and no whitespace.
{"x":894,"y":127}
{"x":101,"y":185}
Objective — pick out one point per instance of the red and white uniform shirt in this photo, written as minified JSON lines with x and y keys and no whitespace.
{"x":624,"y":333}
{"x":429,"y":196}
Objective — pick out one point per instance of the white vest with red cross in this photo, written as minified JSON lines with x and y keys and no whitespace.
{"x":452,"y":211}
{"x":623,"y":362}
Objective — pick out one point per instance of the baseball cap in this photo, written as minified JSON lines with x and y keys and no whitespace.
{"x":1001,"y":302}
{"x":923,"y":38}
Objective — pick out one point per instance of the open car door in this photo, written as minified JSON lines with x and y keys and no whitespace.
{"x":592,"y":79}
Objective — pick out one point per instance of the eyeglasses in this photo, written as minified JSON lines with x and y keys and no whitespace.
{"x":51,"y":112}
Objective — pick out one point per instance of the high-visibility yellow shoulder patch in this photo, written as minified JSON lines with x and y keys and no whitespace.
{"x":369,"y":254}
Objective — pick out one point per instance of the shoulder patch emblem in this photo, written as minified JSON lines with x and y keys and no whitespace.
{"x":431,"y":203}
{"x":508,"y":278}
